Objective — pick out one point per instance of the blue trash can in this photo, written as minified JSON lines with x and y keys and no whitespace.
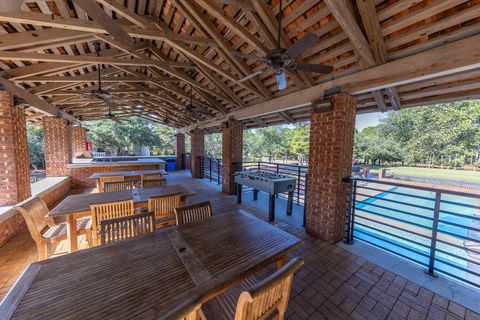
{"x":170,"y":164}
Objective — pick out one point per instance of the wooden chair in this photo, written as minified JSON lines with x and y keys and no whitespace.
{"x":117,"y":186}
{"x":164,"y":209}
{"x":153,"y":183}
{"x":193,"y":213}
{"x":103,"y":179}
{"x":267,"y":299}
{"x":44,"y":231}
{"x":117,"y":229}
{"x":151,"y":176}
{"x":111,"y":210}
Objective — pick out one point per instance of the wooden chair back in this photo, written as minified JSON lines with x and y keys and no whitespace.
{"x":151,"y":176}
{"x":117,"y":186}
{"x":164,"y":208}
{"x":103,"y":179}
{"x":193,"y":213}
{"x":34,"y":211}
{"x":117,"y":229}
{"x":154,"y":183}
{"x":269,"y":296}
{"x":111,"y":210}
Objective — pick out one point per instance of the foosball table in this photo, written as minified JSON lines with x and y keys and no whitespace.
{"x":269,"y":182}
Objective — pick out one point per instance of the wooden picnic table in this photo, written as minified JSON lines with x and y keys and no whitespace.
{"x":129,"y":175}
{"x":76,"y":206}
{"x":145,"y":277}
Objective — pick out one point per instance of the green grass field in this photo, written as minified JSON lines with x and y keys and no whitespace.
{"x":463,"y":175}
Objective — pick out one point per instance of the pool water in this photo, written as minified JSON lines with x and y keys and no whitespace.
{"x":400,"y":221}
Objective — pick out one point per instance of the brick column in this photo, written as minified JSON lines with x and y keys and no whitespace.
{"x":232,"y":153}
{"x":14,"y":162}
{"x":58,"y":151}
{"x":198,"y":150}
{"x":180,"y":150}
{"x":78,"y":137}
{"x":330,"y":160}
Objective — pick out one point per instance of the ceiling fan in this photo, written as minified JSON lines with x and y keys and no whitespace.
{"x":280,"y":58}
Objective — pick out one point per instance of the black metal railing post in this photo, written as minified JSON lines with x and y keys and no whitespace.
{"x":210,"y":167}
{"x":258,"y":165}
{"x":218,"y":172}
{"x":433,"y":244}
{"x":298,"y":186}
{"x":351,"y":212}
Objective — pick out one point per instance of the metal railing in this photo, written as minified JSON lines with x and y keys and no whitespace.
{"x":211,"y":169}
{"x":37,"y":176}
{"x":295,"y":171}
{"x":436,"y":228}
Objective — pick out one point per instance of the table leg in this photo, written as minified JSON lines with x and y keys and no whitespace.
{"x":72,"y":232}
{"x":271,"y":207}
{"x":239,"y":193}
{"x":290,"y":203}
{"x":255,"y":194}
{"x":281,"y":262}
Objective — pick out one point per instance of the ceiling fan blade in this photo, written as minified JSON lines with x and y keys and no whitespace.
{"x":10,"y":6}
{"x":320,"y":68}
{"x":242,"y":4}
{"x":302,"y":45}
{"x":250,"y":76}
{"x":101,"y":17}
{"x":248,"y":56}
{"x":281,"y":79}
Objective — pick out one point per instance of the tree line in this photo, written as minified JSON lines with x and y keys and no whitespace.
{"x":445,"y":135}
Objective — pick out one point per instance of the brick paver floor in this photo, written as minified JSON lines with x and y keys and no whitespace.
{"x":333,"y":283}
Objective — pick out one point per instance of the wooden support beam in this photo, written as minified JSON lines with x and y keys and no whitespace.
{"x":426,"y":65}
{"x":35,"y":101}
{"x":373,"y":29}
{"x":286,"y":116}
{"x":39,"y":19}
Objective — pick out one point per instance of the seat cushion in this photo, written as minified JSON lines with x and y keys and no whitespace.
{"x":223,"y":307}
{"x":59,"y":231}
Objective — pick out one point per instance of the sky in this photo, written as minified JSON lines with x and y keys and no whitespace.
{"x":365,"y":120}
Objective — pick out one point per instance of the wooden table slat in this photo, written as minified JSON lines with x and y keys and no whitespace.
{"x":145,"y":277}
{"x":137,"y":173}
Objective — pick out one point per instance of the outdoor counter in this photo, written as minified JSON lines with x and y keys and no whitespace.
{"x":80,"y":172}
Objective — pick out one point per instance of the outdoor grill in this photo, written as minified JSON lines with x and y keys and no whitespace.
{"x":269,"y":182}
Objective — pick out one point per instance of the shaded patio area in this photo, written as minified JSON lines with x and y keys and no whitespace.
{"x":334,"y":283}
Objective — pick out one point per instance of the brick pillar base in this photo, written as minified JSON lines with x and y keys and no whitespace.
{"x":78,"y":136}
{"x":232,"y":153}
{"x":330,"y":160}
{"x":14,"y":162}
{"x":179,"y":150}
{"x":57,"y":146}
{"x":197,"y":151}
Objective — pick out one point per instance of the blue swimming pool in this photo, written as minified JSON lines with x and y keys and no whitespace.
{"x":400,"y":221}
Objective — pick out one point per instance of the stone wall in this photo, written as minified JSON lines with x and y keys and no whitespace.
{"x":58,"y":152}
{"x":14,"y":162}
{"x":232,"y":153}
{"x":80,"y":175}
{"x":330,"y":159}
{"x":78,"y":137}
{"x":179,"y":150}
{"x":198,"y":150}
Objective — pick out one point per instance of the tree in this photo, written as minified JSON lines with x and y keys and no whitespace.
{"x":213,"y":145}
{"x":299,"y":141}
{"x":36,"y":146}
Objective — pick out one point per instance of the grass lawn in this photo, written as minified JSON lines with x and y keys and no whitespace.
{"x":462,"y":175}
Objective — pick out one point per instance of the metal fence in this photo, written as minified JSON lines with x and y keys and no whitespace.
{"x":37,"y":176}
{"x":297,"y":172}
{"x":211,"y":169}
{"x":436,"y":228}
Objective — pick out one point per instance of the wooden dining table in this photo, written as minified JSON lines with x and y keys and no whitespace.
{"x":148,"y":276}
{"x":128,"y":175}
{"x":76,"y":206}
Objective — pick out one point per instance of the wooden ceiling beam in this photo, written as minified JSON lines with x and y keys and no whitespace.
{"x":39,"y":19}
{"x":422,"y":66}
{"x":35,"y":101}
